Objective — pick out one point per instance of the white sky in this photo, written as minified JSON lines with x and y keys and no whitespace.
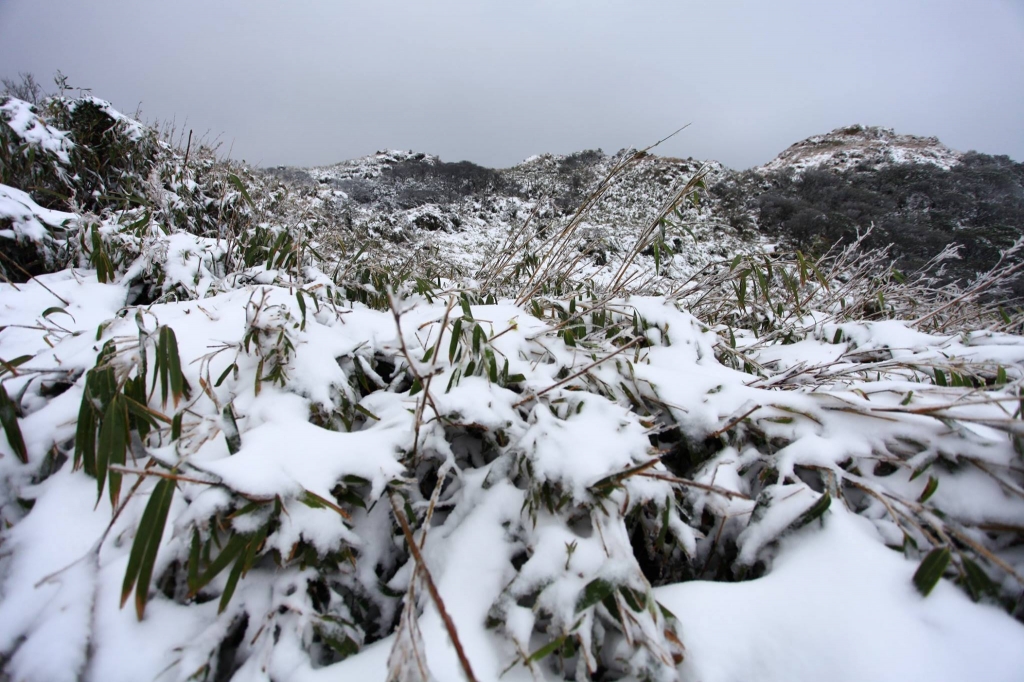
{"x":307,"y":82}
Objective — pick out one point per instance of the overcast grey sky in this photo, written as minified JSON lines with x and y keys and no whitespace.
{"x":309,"y":82}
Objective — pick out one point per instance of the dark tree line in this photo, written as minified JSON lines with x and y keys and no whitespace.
{"x":918,"y":208}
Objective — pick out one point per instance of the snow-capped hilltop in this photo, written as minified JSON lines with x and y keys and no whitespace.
{"x":862,"y":147}
{"x":372,"y":165}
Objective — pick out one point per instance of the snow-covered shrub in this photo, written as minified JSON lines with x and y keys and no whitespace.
{"x":299,"y":459}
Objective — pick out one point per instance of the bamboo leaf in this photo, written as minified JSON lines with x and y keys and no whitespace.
{"x":193,"y":562}
{"x":162,"y":364}
{"x":179,"y":384}
{"x":453,"y":347}
{"x":9,"y":419}
{"x":365,"y":412}
{"x":815,"y":511}
{"x":929,"y":489}
{"x":978,"y":582}
{"x":595,"y":591}
{"x":144,"y":549}
{"x":232,"y":549}
{"x":229,"y":588}
{"x":230,"y":428}
{"x":240,"y":186}
{"x":546,"y":650}
{"x":931,"y":569}
{"x":478,"y":338}
{"x":112,"y":445}
{"x":224,"y":375}
{"x":57,"y":309}
{"x":11,"y":366}
{"x":302,"y":307}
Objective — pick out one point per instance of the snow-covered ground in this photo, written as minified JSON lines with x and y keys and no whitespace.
{"x":217,"y":463}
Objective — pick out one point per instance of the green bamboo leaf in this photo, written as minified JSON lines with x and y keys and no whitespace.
{"x":978,"y":582}
{"x":144,"y":549}
{"x":9,"y":419}
{"x":635,"y":600}
{"x":546,"y":650}
{"x":454,"y":380}
{"x":231,"y":550}
{"x":815,"y":511}
{"x":224,"y":374}
{"x":940,"y":377}
{"x":179,"y":384}
{"x":12,"y":365}
{"x":240,"y":186}
{"x":478,"y":338}
{"x":818,"y":276}
{"x":118,"y":455}
{"x":492,"y":367}
{"x":57,"y":309}
{"x":139,"y":417}
{"x":85,"y":436}
{"x":229,"y":588}
{"x":302,"y":307}
{"x":453,"y":347}
{"x":929,"y":489}
{"x":595,"y":591}
{"x":163,"y":365}
{"x":931,"y":569}
{"x":193,"y":562}
{"x":112,"y":446}
{"x":253,"y":548}
{"x":230,"y":428}
{"x":365,"y":412}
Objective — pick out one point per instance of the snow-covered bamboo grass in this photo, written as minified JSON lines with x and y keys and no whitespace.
{"x":305,"y":460}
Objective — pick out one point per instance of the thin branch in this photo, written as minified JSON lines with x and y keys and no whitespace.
{"x":432,"y":588}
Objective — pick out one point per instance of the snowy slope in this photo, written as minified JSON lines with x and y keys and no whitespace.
{"x":459,"y":220}
{"x":231,"y":450}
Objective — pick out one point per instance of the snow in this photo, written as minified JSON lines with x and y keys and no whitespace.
{"x":29,"y":221}
{"x":558,"y":494}
{"x":28,"y":126}
{"x":840,"y":584}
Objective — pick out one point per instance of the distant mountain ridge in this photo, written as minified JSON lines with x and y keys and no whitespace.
{"x":913,"y":191}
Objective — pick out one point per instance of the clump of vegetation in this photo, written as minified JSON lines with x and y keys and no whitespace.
{"x":919,"y":209}
{"x":295,"y":439}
